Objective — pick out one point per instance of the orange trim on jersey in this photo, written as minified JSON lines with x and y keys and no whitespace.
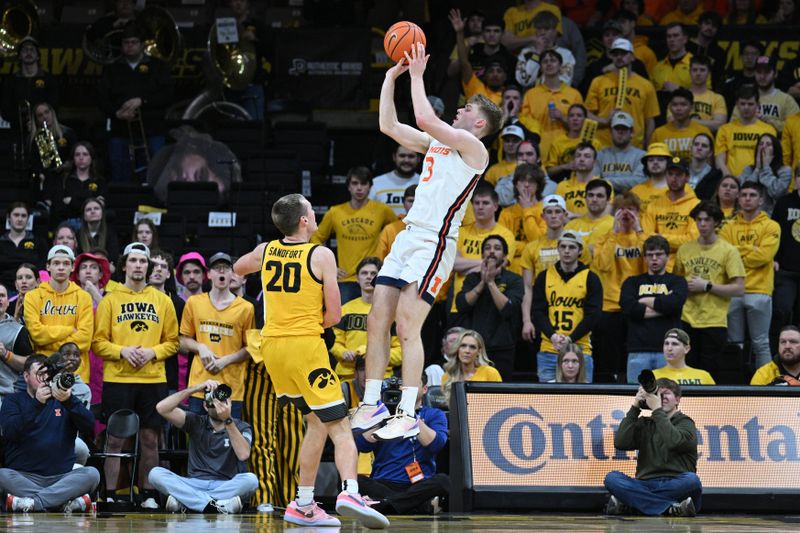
{"x":441,"y":244}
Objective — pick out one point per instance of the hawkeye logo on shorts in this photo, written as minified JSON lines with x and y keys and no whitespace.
{"x":321,"y":378}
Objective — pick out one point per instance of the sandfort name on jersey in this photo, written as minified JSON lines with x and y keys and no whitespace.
{"x":137,"y":311}
{"x":519,"y":441}
{"x":284,"y":252}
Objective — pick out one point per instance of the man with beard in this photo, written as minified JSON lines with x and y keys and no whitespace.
{"x":219,"y":446}
{"x":136,"y":330}
{"x":357,"y":225}
{"x":389,"y":188}
{"x":704,"y":44}
{"x":490,"y":301}
{"x":191,"y":273}
{"x":784,"y":369}
{"x":621,"y":163}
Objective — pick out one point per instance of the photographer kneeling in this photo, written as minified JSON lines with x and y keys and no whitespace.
{"x":40,"y":425}
{"x":666,"y":482}
{"x":219,"y":447}
{"x":404,"y":478}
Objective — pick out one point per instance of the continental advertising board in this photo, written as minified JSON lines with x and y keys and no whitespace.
{"x":550,"y":439}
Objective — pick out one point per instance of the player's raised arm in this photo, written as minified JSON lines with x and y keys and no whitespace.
{"x":251,"y":261}
{"x":405,"y":135}
{"x":466,"y":141}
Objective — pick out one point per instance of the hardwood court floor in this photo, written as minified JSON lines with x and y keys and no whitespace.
{"x":119,"y":523}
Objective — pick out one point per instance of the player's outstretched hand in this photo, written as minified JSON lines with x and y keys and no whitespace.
{"x":394,"y":72}
{"x":417,"y":61}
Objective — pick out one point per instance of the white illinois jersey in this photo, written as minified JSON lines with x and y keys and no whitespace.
{"x":443,"y":192}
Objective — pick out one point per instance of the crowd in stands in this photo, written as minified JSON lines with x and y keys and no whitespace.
{"x":640,"y":212}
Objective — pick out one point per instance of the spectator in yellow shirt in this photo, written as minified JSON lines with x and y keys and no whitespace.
{"x":467,"y":360}
{"x":617,"y":255}
{"x":597,"y":221}
{"x":357,"y":225}
{"x":714,"y":274}
{"x":640,"y":98}
{"x":494,"y":77}
{"x":680,"y":131}
{"x":390,"y":231}
{"x":709,"y":108}
{"x":670,"y":214}
{"x":524,"y":217}
{"x":676,"y":347}
{"x":775,"y":106}
{"x":573,"y":190}
{"x":558,"y":95}
{"x":688,"y":12}
{"x":673,"y":71}
{"x":511,"y":137}
{"x":736,"y":141}
{"x":756,"y":237}
{"x":559,"y":161}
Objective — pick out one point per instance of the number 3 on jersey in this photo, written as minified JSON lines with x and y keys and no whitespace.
{"x":428,"y":168}
{"x":290,"y":272}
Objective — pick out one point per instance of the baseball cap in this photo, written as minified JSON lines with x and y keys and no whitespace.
{"x":27,"y":39}
{"x":765,"y":62}
{"x":612,"y":25}
{"x":622,"y":44}
{"x":621,"y":118}
{"x":678,"y":334}
{"x":679,"y":163}
{"x":220,"y":257}
{"x":570,"y":236}
{"x":138,"y":248}
{"x":513,"y":130}
{"x":554,"y":200}
{"x":60,"y":249}
{"x":190,"y":257}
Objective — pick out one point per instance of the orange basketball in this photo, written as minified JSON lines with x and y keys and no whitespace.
{"x":400,"y":38}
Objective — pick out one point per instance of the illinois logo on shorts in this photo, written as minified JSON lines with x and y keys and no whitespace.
{"x":321,"y":378}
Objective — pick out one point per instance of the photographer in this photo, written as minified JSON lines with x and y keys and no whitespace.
{"x":404,"y":478}
{"x":666,"y":481}
{"x":218,"y":450}
{"x":39,"y":426}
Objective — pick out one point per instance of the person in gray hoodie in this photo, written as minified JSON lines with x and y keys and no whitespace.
{"x":15,"y":347}
{"x":621,"y":164}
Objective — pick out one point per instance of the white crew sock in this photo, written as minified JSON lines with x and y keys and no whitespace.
{"x":408,"y":400}
{"x":351,"y":486}
{"x":305,"y":496}
{"x":372,"y":391}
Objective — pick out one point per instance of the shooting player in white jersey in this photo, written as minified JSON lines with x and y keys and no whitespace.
{"x":422,"y":256}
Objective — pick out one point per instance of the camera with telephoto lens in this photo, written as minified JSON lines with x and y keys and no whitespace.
{"x":221,"y":393}
{"x":54,"y":374}
{"x":391,"y":393}
{"x":648,"y":382}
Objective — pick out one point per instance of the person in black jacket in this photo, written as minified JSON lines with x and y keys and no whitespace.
{"x":136,"y":86}
{"x":491,"y":300}
{"x":652,"y":303}
{"x":31,"y":83}
{"x":786,"y":295}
